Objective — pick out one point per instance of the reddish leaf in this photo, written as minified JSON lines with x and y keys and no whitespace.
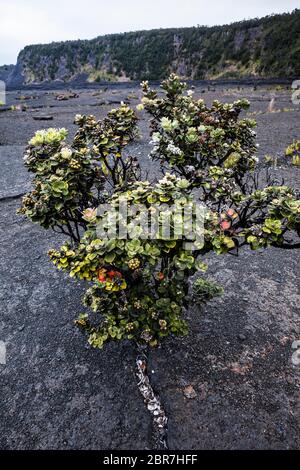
{"x":225,"y":225}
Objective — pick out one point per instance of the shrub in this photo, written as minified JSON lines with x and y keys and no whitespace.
{"x":139,"y":283}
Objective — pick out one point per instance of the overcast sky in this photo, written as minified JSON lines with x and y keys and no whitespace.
{"x":24,"y":22}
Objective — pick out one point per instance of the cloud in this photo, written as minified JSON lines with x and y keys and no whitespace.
{"x":21,"y":25}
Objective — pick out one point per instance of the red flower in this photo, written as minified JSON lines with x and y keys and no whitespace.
{"x":101,"y":275}
{"x":225,"y":225}
{"x":160,"y":276}
{"x":113,"y":274}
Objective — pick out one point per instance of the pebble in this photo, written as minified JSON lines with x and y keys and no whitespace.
{"x":189,"y":392}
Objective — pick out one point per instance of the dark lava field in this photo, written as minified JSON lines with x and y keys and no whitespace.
{"x":58,"y":393}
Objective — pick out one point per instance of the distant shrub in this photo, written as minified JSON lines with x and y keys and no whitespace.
{"x":293,"y":151}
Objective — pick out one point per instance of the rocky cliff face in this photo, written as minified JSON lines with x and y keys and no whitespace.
{"x":6,"y":71}
{"x":267,"y":47}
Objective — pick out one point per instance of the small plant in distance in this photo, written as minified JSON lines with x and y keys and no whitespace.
{"x":293,"y":152}
{"x":139,"y":285}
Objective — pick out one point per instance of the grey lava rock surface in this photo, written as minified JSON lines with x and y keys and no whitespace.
{"x":57,"y":393}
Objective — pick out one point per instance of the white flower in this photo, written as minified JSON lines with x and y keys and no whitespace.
{"x":66,"y":153}
{"x":190,"y":92}
{"x":183,"y":183}
{"x":154,"y":151}
{"x":166,"y":124}
{"x":155,"y":138}
{"x":173,"y":149}
{"x":26,"y":155}
{"x":167,"y":179}
{"x":147,"y":102}
{"x":48,"y":136}
{"x":90,"y":215}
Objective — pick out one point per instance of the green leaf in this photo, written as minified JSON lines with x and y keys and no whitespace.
{"x":109,"y":257}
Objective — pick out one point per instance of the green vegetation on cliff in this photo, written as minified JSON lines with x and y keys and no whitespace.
{"x":267,"y":47}
{"x":5,"y":71}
